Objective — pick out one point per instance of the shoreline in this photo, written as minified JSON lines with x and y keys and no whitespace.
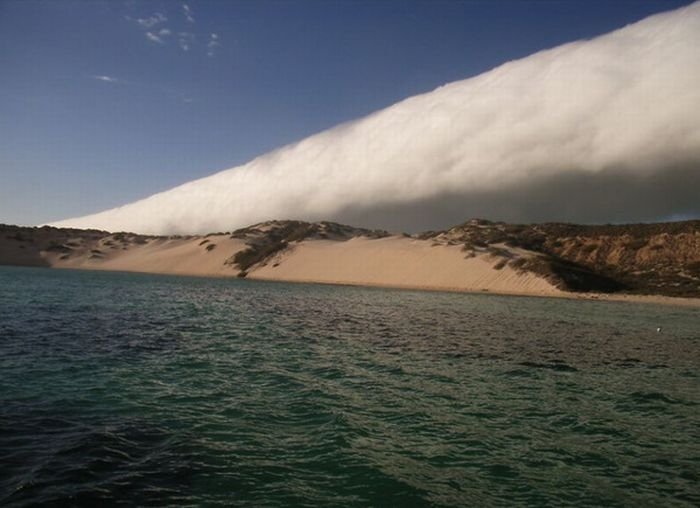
{"x":593,"y":297}
{"x":568,"y":295}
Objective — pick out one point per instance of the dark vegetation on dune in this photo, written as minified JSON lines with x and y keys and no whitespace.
{"x":267,"y":239}
{"x":660,"y":258}
{"x":67,"y":243}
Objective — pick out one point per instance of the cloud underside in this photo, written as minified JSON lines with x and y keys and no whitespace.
{"x":605,"y":130}
{"x":610,"y":197}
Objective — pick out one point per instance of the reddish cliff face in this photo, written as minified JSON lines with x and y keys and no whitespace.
{"x":660,"y":258}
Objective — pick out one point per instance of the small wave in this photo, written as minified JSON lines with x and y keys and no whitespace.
{"x":652,"y":397}
{"x":557,"y":366}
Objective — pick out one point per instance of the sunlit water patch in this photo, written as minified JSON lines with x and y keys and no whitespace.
{"x":137,"y":389}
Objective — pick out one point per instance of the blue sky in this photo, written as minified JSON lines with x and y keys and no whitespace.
{"x":103,"y":103}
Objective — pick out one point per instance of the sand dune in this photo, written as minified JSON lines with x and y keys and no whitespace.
{"x":189,"y":256}
{"x":398,"y":262}
{"x":471,"y":257}
{"x":395,"y":261}
{"x":100,"y":250}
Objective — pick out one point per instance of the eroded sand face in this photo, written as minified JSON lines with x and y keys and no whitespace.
{"x":399,"y":262}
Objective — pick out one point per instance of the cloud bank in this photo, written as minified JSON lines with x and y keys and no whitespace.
{"x":605,"y":130}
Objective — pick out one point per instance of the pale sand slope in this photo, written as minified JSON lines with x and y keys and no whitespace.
{"x":392,"y":261}
{"x":398,"y":262}
{"x":185,"y":256}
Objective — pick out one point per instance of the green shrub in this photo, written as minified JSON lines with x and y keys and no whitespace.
{"x":256,"y":254}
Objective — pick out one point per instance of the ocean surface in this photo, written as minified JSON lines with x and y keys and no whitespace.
{"x":130,"y":389}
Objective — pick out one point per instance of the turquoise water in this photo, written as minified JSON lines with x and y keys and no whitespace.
{"x":123,"y":389}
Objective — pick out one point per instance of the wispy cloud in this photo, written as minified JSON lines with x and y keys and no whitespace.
{"x":144,"y":86}
{"x":213,"y":43}
{"x":150,"y":21}
{"x":185,"y":39}
{"x":158,"y":29}
{"x":153,"y":37}
{"x":106,"y":79}
{"x":188,"y":13}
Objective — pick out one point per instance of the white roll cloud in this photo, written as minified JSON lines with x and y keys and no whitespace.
{"x":587,"y":131}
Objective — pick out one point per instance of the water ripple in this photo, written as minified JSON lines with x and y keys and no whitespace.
{"x":118,"y":389}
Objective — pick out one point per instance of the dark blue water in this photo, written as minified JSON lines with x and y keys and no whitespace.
{"x":126,"y":389}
